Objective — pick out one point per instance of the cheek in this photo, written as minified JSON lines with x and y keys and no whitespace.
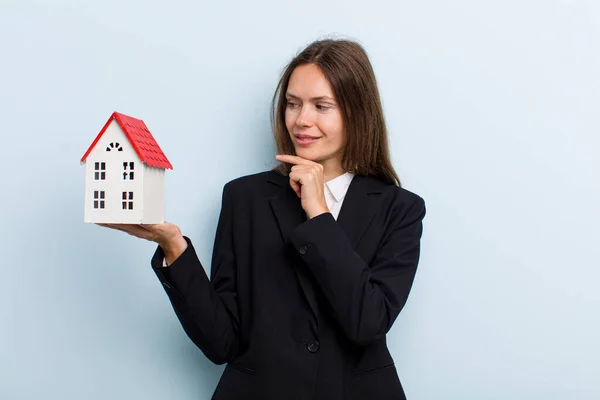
{"x":333,"y":128}
{"x":289,"y":121}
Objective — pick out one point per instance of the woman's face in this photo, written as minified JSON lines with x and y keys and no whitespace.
{"x":313,"y":118}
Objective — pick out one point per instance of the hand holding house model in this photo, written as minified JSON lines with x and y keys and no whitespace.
{"x":125,"y":174}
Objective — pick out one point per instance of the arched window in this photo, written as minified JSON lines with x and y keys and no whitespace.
{"x":114,"y":146}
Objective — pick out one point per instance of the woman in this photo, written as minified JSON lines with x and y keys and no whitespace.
{"x":313,"y":260}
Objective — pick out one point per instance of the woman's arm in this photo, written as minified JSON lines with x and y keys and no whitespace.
{"x":207,"y":309}
{"x":366,"y":299}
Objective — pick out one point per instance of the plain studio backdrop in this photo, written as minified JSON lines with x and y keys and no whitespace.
{"x":492,"y":108}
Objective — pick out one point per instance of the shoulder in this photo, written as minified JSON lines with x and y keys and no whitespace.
{"x":398,"y":202}
{"x":411,"y":205}
{"x":397,"y":193}
{"x":407,"y":198}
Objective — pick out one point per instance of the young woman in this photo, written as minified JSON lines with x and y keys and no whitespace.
{"x":313,"y":260}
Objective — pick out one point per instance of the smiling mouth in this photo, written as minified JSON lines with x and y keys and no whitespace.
{"x":305,"y":140}
{"x":306,"y":137}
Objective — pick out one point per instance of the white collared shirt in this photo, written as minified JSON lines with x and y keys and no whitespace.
{"x":335,"y":191}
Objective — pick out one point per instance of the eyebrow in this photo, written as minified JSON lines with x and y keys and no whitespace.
{"x":313,"y":98}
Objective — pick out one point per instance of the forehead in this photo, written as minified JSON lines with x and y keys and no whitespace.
{"x":309,"y":81}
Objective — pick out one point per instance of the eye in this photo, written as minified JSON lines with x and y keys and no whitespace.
{"x":322,"y":107}
{"x":291,"y":104}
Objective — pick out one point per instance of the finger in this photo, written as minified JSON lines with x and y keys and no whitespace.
{"x":127,"y":228}
{"x":297,"y":177}
{"x":111,"y":226}
{"x":294,"y":159}
{"x":297,"y":188}
{"x":296,"y":182}
{"x":304,"y":176}
{"x":315,"y":170}
{"x":132,"y":229}
{"x":304,"y":167}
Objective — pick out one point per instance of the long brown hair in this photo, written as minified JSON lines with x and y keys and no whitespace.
{"x":346,"y":66}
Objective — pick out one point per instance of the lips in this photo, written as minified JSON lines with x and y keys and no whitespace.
{"x":306,"y":137}
{"x":306,"y":140}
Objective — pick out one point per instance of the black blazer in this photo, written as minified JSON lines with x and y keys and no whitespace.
{"x":297,"y":308}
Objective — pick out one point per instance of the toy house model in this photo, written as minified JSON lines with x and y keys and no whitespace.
{"x":125,"y":174}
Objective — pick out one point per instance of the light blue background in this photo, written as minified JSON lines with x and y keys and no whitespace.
{"x":492,"y":109}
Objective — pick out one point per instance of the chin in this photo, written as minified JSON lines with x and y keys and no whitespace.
{"x":308,"y":154}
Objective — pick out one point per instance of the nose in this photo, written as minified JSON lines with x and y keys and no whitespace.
{"x":304,"y":117}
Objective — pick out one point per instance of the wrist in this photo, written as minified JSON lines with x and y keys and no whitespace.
{"x":173,"y":248}
{"x":317,"y":212}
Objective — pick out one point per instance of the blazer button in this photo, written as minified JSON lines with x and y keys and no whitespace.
{"x":313,"y":346}
{"x":302,"y":250}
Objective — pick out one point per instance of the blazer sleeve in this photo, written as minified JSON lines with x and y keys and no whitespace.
{"x":366,"y":299}
{"x":207,"y":309}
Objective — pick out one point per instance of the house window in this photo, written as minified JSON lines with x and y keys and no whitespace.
{"x":99,"y":171}
{"x":114,"y":146}
{"x":99,"y":199}
{"x":128,"y":170}
{"x":127,"y":201}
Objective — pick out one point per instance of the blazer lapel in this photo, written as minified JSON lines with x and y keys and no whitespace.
{"x":361,"y":203}
{"x":358,"y":208}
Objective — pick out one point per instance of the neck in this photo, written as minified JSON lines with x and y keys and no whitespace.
{"x":331,"y":170}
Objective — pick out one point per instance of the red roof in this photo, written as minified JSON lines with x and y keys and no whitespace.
{"x":140,"y":138}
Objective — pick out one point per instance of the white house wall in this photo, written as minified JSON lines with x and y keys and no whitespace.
{"x":154,"y":195}
{"x":114,"y":185}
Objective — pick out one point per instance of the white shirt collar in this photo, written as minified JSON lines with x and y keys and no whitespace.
{"x":339,"y":186}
